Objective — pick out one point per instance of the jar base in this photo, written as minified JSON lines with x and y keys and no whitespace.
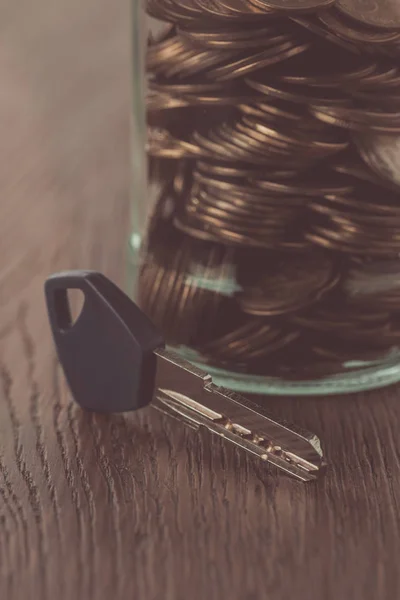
{"x":360,"y":376}
{"x":378,"y":375}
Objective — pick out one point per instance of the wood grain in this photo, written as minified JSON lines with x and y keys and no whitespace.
{"x":125,"y":507}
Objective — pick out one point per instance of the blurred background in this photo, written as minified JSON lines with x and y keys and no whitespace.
{"x":64,"y":121}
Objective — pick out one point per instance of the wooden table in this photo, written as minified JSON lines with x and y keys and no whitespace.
{"x":137,"y":507}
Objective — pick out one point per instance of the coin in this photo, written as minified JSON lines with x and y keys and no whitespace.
{"x":373,"y":282}
{"x":223,"y":149}
{"x":381,"y":76}
{"x":322,"y":32}
{"x":296,"y":93}
{"x":350,"y":32}
{"x":297,"y":5}
{"x":302,"y":188}
{"x":274,"y":112}
{"x":325,"y":142}
{"x":244,"y":9}
{"x":323,"y":68}
{"x":171,"y":10}
{"x":239,"y":68}
{"x":361,"y":202}
{"x":260,"y":8}
{"x":286,"y":282}
{"x":195,"y":229}
{"x":203,"y":271}
{"x":346,"y":323}
{"x":243,"y":38}
{"x":237,"y":170}
{"x":162,"y":144}
{"x":256,"y":141}
{"x":218,"y":10}
{"x":373,"y":98}
{"x":382,"y":154}
{"x":182,"y":89}
{"x":266,"y":206}
{"x":377,"y":13}
{"x":356,"y":220}
{"x":356,"y":119}
{"x":340,"y":239}
{"x":180,"y":281}
{"x":254,"y":339}
{"x":355,"y":168}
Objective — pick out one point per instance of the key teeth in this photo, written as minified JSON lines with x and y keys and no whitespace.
{"x":308,"y":437}
{"x":225,"y":422}
{"x":268,"y":445}
{"x":261,"y":441}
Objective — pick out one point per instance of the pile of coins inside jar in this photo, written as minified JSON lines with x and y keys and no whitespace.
{"x":273,"y":141}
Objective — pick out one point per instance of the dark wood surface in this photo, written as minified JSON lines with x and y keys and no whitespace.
{"x":137,"y":507}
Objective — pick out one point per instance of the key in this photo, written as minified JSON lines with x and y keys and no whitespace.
{"x":115,"y":360}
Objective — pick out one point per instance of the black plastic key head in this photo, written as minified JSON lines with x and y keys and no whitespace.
{"x":107,"y":354}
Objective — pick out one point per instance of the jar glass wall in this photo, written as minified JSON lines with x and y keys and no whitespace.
{"x":266,"y":189}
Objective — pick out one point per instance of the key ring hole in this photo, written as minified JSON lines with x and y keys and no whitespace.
{"x":69,"y":305}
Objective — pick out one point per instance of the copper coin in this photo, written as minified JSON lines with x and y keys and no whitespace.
{"x":382,"y":154}
{"x":297,"y":5}
{"x":242,"y":9}
{"x":298,"y":94}
{"x":316,"y":28}
{"x":286,"y":282}
{"x":350,"y":32}
{"x":239,"y":68}
{"x":355,"y":168}
{"x":312,"y":187}
{"x":377,"y":13}
{"x":356,"y":119}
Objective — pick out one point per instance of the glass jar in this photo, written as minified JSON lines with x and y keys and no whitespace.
{"x":266,"y":189}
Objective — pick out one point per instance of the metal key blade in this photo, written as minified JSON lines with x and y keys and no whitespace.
{"x":186,"y":392}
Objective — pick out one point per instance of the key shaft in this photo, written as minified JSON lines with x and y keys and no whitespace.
{"x":186,"y":392}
